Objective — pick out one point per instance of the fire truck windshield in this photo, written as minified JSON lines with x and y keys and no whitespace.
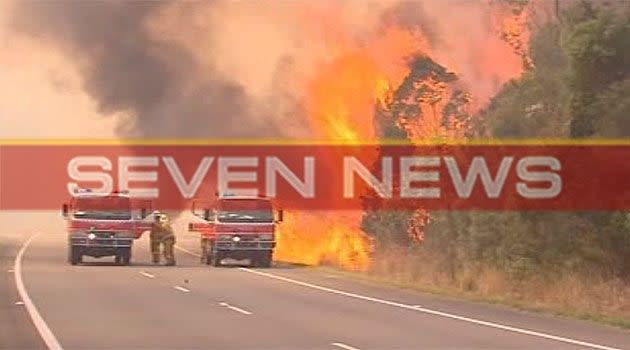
{"x":103,"y":208}
{"x":244,"y":210}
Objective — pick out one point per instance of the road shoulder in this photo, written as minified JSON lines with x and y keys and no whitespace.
{"x":16,"y":329}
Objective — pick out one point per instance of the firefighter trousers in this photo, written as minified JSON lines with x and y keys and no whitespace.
{"x":167,"y":243}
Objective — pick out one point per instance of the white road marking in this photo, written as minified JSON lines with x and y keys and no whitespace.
{"x":234,"y":308}
{"x":146,"y":274}
{"x":432,"y":312}
{"x":425,"y":310}
{"x":344,"y":346}
{"x":187,"y":251}
{"x":42,"y":328}
{"x":19,"y":303}
{"x":181,"y":289}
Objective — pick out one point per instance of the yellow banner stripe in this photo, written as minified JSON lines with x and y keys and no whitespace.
{"x":283,"y":142}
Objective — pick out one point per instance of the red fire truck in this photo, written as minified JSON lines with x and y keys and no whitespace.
{"x":101,"y":225}
{"x":237,"y":228}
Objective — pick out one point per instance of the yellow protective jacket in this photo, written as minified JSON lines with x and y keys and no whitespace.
{"x":161,"y":232}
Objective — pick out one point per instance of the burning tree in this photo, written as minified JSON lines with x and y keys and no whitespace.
{"x":395,"y":78}
{"x":428,"y":104}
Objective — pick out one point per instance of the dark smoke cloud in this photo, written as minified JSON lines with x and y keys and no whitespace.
{"x":126,"y":69}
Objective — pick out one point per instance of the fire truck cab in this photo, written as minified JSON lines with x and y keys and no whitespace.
{"x":238,"y":228}
{"x":101,"y":225}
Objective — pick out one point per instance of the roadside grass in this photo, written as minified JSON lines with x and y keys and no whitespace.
{"x":597,"y":300}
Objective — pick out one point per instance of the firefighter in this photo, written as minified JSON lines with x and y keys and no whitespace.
{"x":162,"y":235}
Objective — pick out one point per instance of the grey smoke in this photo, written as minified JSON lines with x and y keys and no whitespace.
{"x":156,"y":82}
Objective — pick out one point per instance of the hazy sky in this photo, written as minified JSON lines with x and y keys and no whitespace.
{"x":41,"y":92}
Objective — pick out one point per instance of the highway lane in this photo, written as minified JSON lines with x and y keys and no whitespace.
{"x":196,"y":306}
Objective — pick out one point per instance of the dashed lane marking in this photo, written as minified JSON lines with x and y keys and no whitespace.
{"x":234,"y":308}
{"x":146,"y":274}
{"x":181,"y":289}
{"x":344,"y":346}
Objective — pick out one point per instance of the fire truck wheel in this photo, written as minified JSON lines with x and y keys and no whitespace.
{"x":215,"y":259}
{"x":123,"y":257}
{"x":74,"y":255}
{"x":263,"y":260}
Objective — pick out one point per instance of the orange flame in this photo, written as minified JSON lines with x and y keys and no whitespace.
{"x":343,"y":94}
{"x":315,"y":239}
{"x":340,"y":101}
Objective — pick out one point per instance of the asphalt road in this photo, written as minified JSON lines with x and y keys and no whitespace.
{"x":193,"y":306}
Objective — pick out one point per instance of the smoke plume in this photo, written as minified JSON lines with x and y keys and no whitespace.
{"x":240,"y":69}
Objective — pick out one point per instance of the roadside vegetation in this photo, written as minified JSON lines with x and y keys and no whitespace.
{"x":571,"y":263}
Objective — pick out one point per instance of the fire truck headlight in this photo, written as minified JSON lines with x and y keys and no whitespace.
{"x":91,"y":236}
{"x":236,"y":238}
